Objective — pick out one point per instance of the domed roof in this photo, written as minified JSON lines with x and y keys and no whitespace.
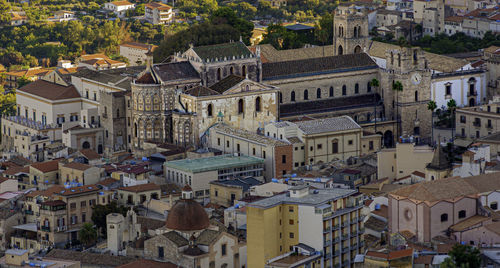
{"x":187,"y":215}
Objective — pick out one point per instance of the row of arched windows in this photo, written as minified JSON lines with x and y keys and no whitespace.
{"x":241,"y":106}
{"x":461,"y":214}
{"x":231,"y":71}
{"x":331,"y":92}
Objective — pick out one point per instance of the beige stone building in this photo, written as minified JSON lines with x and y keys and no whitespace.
{"x":53,"y":224}
{"x":235,"y":100}
{"x":323,"y":140}
{"x":44,"y":174}
{"x":473,"y":123}
{"x":78,"y":173}
{"x":8,"y":219}
{"x":403,"y":160}
{"x":138,"y":194}
{"x":31,"y":206}
{"x":135,"y":52}
{"x":226,"y":192}
{"x":277,"y":154}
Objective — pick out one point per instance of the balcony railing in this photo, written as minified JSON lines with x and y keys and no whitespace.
{"x":327,"y":243}
{"x":45,"y":228}
{"x":29,"y":212}
{"x":476,"y":123}
{"x":472,"y":93}
{"x":344,"y":224}
{"x":345,"y":237}
{"x":336,"y":227}
{"x":327,"y":229}
{"x":354,"y":246}
{"x":336,"y":253}
{"x":345,"y":249}
{"x":489,"y":126}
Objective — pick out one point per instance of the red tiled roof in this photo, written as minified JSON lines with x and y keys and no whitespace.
{"x":50,"y":91}
{"x":391,"y":255}
{"x":140,"y":188}
{"x":47,"y":166}
{"x":148,"y":264}
{"x":48,"y":192}
{"x":90,"y":154}
{"x":418,"y":173}
{"x":14,"y":170}
{"x":78,"y":166}
{"x":107,"y":181}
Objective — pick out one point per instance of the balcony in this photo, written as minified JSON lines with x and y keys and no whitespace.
{"x":354,"y":233}
{"x":327,"y":229}
{"x":361,"y":244}
{"x":45,"y":228}
{"x":346,"y":263}
{"x":472,"y":93}
{"x":344,"y":224}
{"x":477,"y":123}
{"x":354,"y":246}
{"x":345,"y":249}
{"x":336,"y":240}
{"x":336,"y":227}
{"x":354,"y":220}
{"x":29,"y":212}
{"x":361,"y":231}
{"x":328,"y":255}
{"x":490,"y":126}
{"x":345,"y":237}
{"x":336,"y":253}
{"x":327,"y":243}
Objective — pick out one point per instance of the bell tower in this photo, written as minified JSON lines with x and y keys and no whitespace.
{"x":406,"y":85}
{"x":350,"y":31}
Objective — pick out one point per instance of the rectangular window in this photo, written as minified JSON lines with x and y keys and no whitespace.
{"x":350,"y":142}
{"x":448,"y":90}
{"x":292,"y":235}
{"x":227,"y":144}
{"x":335,"y":147}
{"x":218,"y":141}
{"x":72,"y":205}
{"x":290,"y":222}
{"x":463,"y":119}
{"x":371,"y":145}
{"x":320,"y":146}
{"x":283,"y":159}
{"x":83,"y":204}
{"x":223,"y":249}
{"x":290,"y":209}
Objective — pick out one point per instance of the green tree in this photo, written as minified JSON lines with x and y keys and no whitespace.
{"x":7,"y":102}
{"x":22,"y":81}
{"x":398,"y":87}
{"x":226,"y":15}
{"x":4,"y":12}
{"x":452,"y":106}
{"x":100,"y":212}
{"x":431,"y":106}
{"x":88,"y":234}
{"x":280,"y":38}
{"x":463,"y":256}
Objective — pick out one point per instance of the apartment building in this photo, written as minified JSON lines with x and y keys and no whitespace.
{"x":53,"y":224}
{"x":79,"y":173}
{"x":277,"y":154}
{"x":324,"y":140}
{"x":477,"y":22}
{"x":226,"y":192}
{"x":136,"y":52}
{"x":138,"y":194}
{"x":473,"y":123}
{"x":158,"y":13}
{"x":327,"y":220}
{"x":198,"y":173}
{"x":31,"y":74}
{"x":31,"y":206}
{"x":76,"y":206}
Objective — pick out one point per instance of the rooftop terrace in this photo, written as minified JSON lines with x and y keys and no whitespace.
{"x":213,"y":163}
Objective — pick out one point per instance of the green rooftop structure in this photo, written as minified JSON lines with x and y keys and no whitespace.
{"x":198,"y":165}
{"x":199,"y":172}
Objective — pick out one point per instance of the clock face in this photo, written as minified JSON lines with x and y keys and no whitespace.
{"x":416,"y":78}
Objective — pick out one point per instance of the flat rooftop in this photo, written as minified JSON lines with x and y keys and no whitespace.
{"x":315,"y":197}
{"x":198,"y":165}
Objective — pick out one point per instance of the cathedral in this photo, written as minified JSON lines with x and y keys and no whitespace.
{"x":249,"y":87}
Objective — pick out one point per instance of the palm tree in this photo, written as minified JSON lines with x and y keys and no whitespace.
{"x":452,"y":106}
{"x":431,"y":106}
{"x":375,"y":83}
{"x":88,"y":234}
{"x":397,"y":86}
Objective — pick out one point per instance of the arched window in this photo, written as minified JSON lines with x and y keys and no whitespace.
{"x":444,"y":217}
{"x":356,"y":118}
{"x":257,"y":104}
{"x":209,"y":110}
{"x":462,"y":214}
{"x":244,"y":70}
{"x":280,"y":96}
{"x":331,"y":91}
{"x":341,"y":50}
{"x":292,"y":96}
{"x":416,"y":95}
{"x":355,"y":31}
{"x":231,"y":70}
{"x":219,"y":75}
{"x":318,"y":93}
{"x":344,"y":90}
{"x":356,"y":88}
{"x":369,"y":87}
{"x":135,"y":130}
{"x":306,"y":94}
{"x":240,"y":106}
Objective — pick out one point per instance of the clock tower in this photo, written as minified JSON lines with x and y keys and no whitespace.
{"x":406,"y":83}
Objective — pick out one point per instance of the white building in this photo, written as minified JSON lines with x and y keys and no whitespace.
{"x":119,"y":7}
{"x":63,"y":15}
{"x":158,"y":13}
{"x":473,"y":161}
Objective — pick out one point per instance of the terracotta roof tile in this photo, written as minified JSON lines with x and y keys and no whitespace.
{"x":50,"y":91}
{"x":141,"y":188}
{"x":148,"y":264}
{"x":90,"y":154}
{"x":47,"y":166}
{"x":78,"y":166}
{"x":79,"y":190}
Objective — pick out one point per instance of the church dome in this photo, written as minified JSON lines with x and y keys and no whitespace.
{"x":187,"y":215}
